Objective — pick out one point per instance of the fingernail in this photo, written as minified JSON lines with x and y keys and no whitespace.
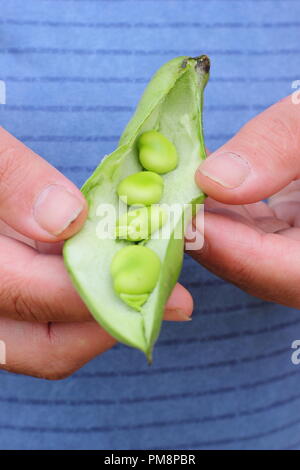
{"x":176,"y":314}
{"x":56,"y":208}
{"x":182,"y":316}
{"x":227,"y":169}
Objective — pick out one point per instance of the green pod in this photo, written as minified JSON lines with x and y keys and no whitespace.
{"x":172,"y":105}
{"x":156,"y":152}
{"x":139,"y":224}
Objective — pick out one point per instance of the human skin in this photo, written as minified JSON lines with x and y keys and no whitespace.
{"x":47,"y":330}
{"x":253,"y":244}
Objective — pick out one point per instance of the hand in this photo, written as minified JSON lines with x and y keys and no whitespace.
{"x":250,"y":243}
{"x":46,"y":328}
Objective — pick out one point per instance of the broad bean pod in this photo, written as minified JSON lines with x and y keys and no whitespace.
{"x":171,"y":105}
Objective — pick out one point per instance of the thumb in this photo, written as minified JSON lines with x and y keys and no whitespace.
{"x":263,"y":264}
{"x":257,"y":162}
{"x":35,"y":199}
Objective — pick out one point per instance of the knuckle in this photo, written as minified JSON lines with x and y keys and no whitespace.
{"x":242,"y":277}
{"x":9,"y":165}
{"x":16,"y":299}
{"x":234,"y":266}
{"x":23,"y":307}
{"x":14,"y":167}
{"x":57,"y":367}
{"x":55,"y":374}
{"x":274,"y":134}
{"x":24,"y":301}
{"x":11,"y":299}
{"x":59,"y":362}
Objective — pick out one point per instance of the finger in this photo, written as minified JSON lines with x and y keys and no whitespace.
{"x":286,"y":203}
{"x":180,"y":305}
{"x":263,"y":264}
{"x":51,"y":351}
{"x":291,"y":232}
{"x":258,"y":214}
{"x":288,"y":212}
{"x":259,"y":161}
{"x":49,"y":248}
{"x":36,"y":287}
{"x":42,"y":247}
{"x":289,"y":192}
{"x":259,"y":209}
{"x":8,"y":231}
{"x":55,"y":350}
{"x":270,"y":224}
{"x":211,"y":204}
{"x":36,"y":199}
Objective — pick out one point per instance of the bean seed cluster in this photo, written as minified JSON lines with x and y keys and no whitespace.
{"x":135,"y":269}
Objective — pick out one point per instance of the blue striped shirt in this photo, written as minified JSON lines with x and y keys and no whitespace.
{"x":74,"y":70}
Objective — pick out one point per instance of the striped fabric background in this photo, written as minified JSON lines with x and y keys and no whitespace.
{"x":74,"y":70}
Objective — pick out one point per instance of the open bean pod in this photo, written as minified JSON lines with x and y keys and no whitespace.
{"x":96,"y":260}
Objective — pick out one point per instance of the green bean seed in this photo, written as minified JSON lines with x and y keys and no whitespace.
{"x":139,"y":224}
{"x":135,"y":271}
{"x":156,"y":152}
{"x":143,"y":188}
